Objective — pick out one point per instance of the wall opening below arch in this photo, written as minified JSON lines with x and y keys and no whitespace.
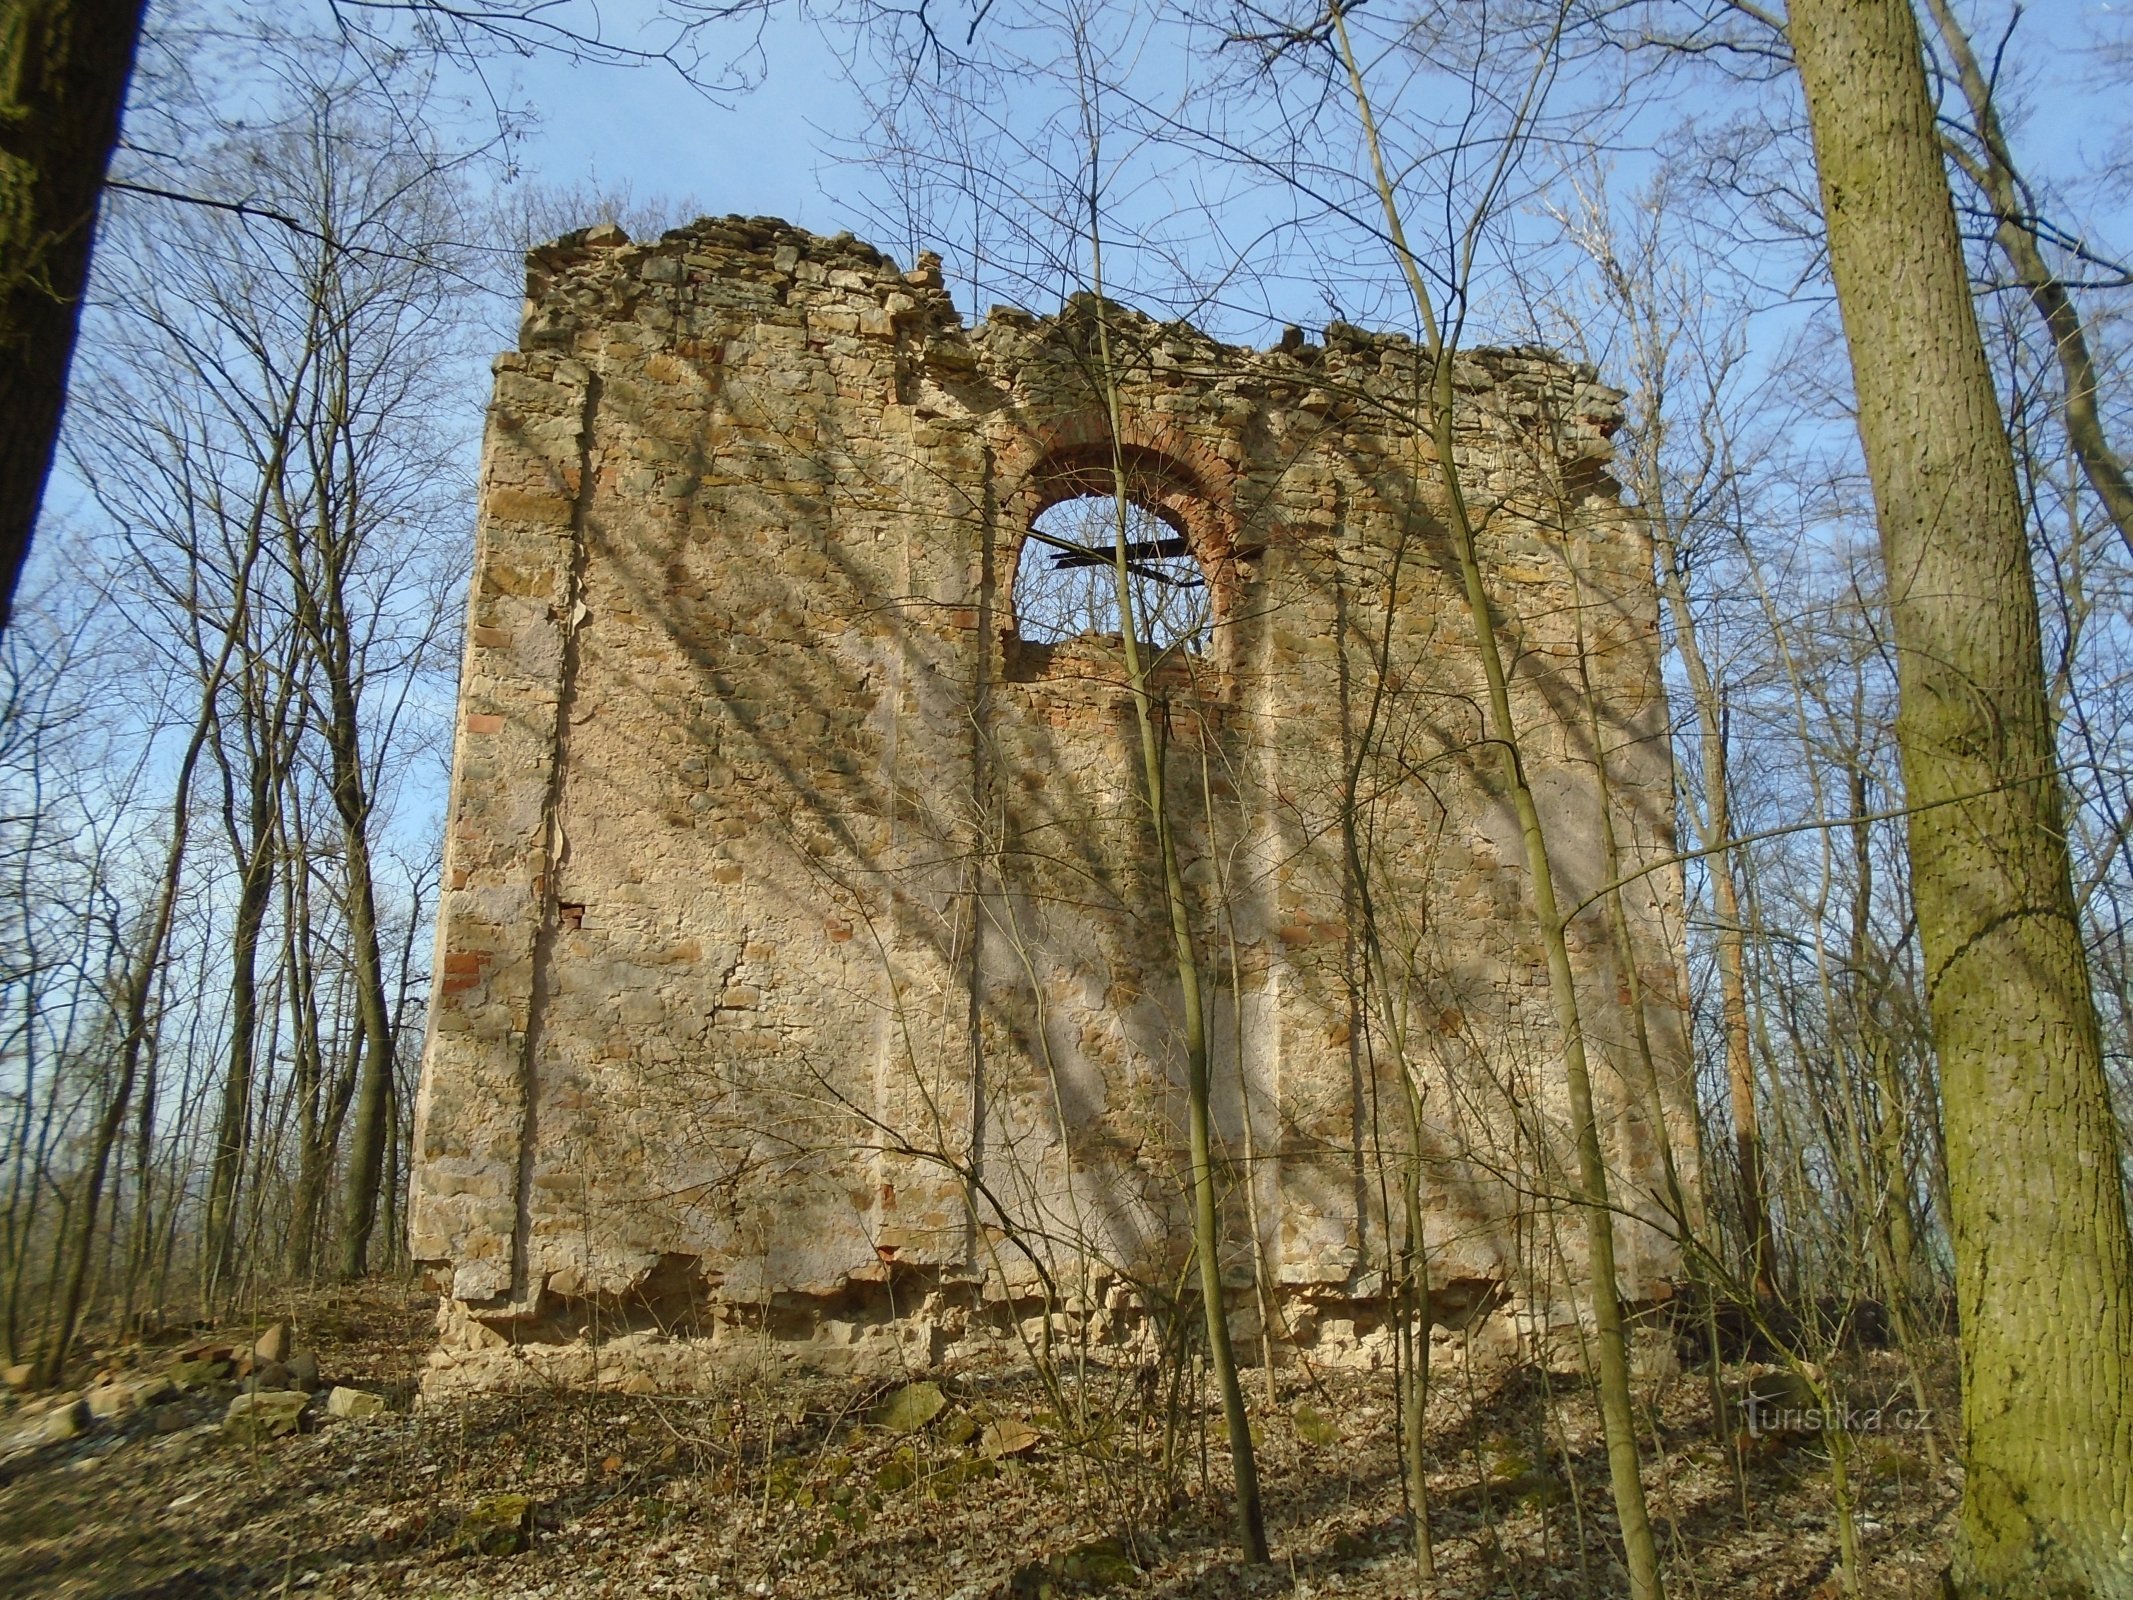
{"x":1066,"y":587}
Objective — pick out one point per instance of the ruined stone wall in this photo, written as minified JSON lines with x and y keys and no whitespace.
{"x":805,"y":984}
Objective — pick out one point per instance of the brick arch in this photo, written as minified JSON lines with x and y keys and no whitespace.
{"x":1168,"y":471}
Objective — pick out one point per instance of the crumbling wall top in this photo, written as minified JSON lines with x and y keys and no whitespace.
{"x":597,"y":275}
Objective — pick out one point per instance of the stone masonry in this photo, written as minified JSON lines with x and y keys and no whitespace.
{"x":805,"y":986}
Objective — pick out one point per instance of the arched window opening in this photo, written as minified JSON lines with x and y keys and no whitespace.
{"x":1066,"y":587}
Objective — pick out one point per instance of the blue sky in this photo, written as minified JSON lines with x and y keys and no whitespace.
{"x":759,"y":153}
{"x":774,"y":150}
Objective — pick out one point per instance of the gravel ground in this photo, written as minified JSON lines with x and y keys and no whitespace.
{"x":839,"y":1488}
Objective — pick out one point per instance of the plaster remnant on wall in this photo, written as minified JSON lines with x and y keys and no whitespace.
{"x":804,"y":989}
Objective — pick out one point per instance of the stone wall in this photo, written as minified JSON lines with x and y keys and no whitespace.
{"x":804,"y":983}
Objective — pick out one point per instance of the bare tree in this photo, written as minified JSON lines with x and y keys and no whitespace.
{"x":2022,"y":231}
{"x":65,"y":70}
{"x":274,"y":500}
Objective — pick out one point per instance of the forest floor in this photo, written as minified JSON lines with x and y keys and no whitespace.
{"x":842,"y":1488}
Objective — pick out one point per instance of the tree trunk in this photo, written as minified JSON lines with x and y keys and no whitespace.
{"x":1886,"y":1164}
{"x":63,"y":71}
{"x":1206,"y":1213}
{"x":322,"y":574}
{"x":255,"y":864}
{"x":366,"y":1144}
{"x":1378,"y":993}
{"x":1716,"y":835}
{"x":307,"y":1050}
{"x":2044,"y":1264}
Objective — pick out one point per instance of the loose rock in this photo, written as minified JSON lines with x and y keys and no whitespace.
{"x":497,"y":1526}
{"x":1314,"y":1427}
{"x":1652,"y":1357}
{"x":264,"y":1414}
{"x":187,"y":1375}
{"x":273,"y":1345}
{"x":67,"y":1420}
{"x":1010,"y":1436}
{"x":910,"y":1408}
{"x":344,"y":1402}
{"x":110,"y":1400}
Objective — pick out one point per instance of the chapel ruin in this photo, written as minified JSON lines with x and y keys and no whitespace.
{"x":804,"y":985}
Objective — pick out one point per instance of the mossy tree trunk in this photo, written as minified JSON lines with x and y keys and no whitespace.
{"x":2044,"y":1266}
{"x":63,"y":71}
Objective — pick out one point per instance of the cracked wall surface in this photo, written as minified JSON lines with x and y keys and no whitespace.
{"x":804,"y":983}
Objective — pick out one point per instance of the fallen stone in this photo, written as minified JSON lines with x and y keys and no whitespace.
{"x":1652,"y":1357}
{"x":154,"y":1391}
{"x":1314,"y":1427}
{"x":303,"y":1369}
{"x":110,"y":1400}
{"x":1089,"y":1568}
{"x":273,"y":1345}
{"x":1101,"y":1564}
{"x":910,"y":1408}
{"x":199,"y":1374}
{"x":1782,"y":1403}
{"x":1010,"y":1436}
{"x":167,"y":1418}
{"x":20,"y":1376}
{"x":497,"y":1526}
{"x":272,"y":1375}
{"x":1535,"y":1490}
{"x":264,"y":1414}
{"x":345,"y":1402}
{"x":68,"y":1420}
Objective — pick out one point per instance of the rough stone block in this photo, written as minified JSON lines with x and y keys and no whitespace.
{"x":264,"y":1414}
{"x":501,"y":1525}
{"x":110,"y":1399}
{"x":188,"y":1375}
{"x":67,"y":1418}
{"x":345,"y":1402}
